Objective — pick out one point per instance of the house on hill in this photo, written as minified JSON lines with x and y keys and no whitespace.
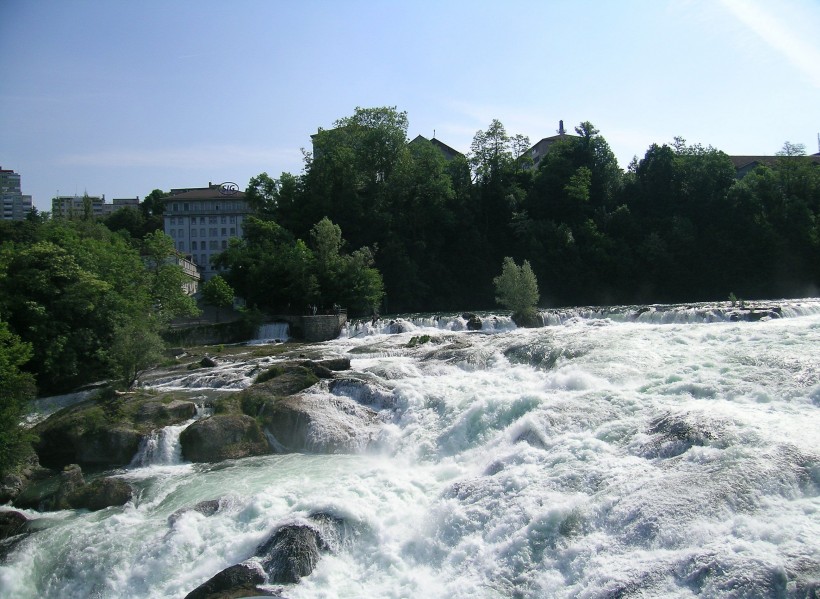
{"x":540,"y":149}
{"x":448,"y":152}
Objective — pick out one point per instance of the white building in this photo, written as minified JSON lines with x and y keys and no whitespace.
{"x":15,"y":205}
{"x":201,"y":221}
{"x":75,"y":206}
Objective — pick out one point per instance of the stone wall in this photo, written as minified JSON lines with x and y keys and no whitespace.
{"x":322,"y":327}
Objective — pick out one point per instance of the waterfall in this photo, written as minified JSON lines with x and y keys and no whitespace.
{"x":272,"y":332}
{"x":161,"y":447}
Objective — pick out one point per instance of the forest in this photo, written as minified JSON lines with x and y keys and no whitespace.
{"x":675,"y":226}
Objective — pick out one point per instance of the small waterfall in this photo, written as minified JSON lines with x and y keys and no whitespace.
{"x":161,"y":447}
{"x":272,"y":332}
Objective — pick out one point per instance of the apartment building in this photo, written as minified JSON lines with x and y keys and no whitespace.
{"x":15,"y":205}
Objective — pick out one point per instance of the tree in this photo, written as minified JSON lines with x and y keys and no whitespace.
{"x":166,"y":278}
{"x":16,"y":387}
{"x":517,"y":289}
{"x":217,"y":293}
{"x":136,"y":347}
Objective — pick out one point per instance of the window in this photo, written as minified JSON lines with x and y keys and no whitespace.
{"x":233,"y":219}
{"x":185,"y":207}
{"x":211,"y":220}
{"x":173,"y":220}
{"x":202,"y":232}
{"x":213,"y":244}
{"x":223,"y":219}
{"x":224,"y":231}
{"x":201,"y":220}
{"x":233,"y":231}
{"x":176,"y":207}
{"x":193,"y":232}
{"x":212,"y":232}
{"x":181,"y":232}
{"x":193,"y":245}
{"x":224,"y":244}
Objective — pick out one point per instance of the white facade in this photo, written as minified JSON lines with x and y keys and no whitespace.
{"x":15,"y":205}
{"x":202,"y":222}
{"x":74,"y":206}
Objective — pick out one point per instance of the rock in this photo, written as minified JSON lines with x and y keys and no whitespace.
{"x":13,"y":529}
{"x":71,"y":481}
{"x":12,"y":523}
{"x":165,"y":414}
{"x":335,"y":364}
{"x":206,"y":508}
{"x":108,"y":447}
{"x":473,"y":321}
{"x":319,"y":424}
{"x":208,"y":362}
{"x":101,"y":493}
{"x":291,"y":553}
{"x":223,"y":437}
{"x":240,"y":580}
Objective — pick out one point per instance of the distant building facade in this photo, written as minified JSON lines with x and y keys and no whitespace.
{"x":202,"y":221}
{"x":75,"y":206}
{"x":16,"y":206}
{"x":746,"y":164}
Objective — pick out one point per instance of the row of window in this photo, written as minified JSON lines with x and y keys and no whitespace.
{"x":211,"y":220}
{"x":207,"y":206}
{"x":204,"y":245}
{"x":212,"y":232}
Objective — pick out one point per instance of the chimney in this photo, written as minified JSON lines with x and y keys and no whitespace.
{"x":561,"y":127}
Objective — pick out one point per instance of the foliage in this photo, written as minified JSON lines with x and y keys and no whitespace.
{"x":517,"y":289}
{"x":16,"y":387}
{"x":217,"y":293}
{"x":136,"y":346}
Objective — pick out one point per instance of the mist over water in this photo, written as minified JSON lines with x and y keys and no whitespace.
{"x":666,"y":451}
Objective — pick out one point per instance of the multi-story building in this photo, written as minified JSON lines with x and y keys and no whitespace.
{"x":16,"y":206}
{"x":201,"y":221}
{"x":76,"y":206}
{"x":542,"y":148}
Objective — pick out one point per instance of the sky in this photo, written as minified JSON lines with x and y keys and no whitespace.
{"x":120,"y":98}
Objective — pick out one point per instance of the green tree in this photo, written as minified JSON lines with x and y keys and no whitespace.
{"x":136,"y":346}
{"x":166,"y":278}
{"x":217,"y":293}
{"x":16,"y":387}
{"x":516,"y":289}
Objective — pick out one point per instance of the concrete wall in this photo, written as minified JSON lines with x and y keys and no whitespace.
{"x":322,"y":327}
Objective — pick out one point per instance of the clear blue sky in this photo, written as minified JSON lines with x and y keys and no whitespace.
{"x":119,"y":98}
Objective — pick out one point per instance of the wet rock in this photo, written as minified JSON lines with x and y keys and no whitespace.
{"x":208,"y":362}
{"x":291,"y":553}
{"x":207,"y":508}
{"x":223,"y":437}
{"x":240,"y":580}
{"x":164,"y":414}
{"x":473,"y":321}
{"x":12,"y":523}
{"x":71,"y":481}
{"x":13,"y":530}
{"x":319,"y":424}
{"x":101,"y":493}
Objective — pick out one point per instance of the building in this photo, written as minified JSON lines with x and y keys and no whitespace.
{"x":448,"y":152}
{"x":16,"y":206}
{"x":76,"y":206}
{"x":202,"y":221}
{"x":540,"y":149}
{"x":746,"y":164}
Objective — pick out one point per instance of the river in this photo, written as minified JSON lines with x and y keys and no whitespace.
{"x":662,"y":451}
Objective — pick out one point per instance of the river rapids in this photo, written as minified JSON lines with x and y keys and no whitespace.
{"x":664,"y":451}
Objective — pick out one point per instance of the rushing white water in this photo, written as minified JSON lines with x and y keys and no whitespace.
{"x":614,"y":454}
{"x":272,"y":332}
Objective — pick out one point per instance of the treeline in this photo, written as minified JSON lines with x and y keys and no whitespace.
{"x":676,"y":226}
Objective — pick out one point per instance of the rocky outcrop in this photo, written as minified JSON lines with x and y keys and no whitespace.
{"x":105,"y":432}
{"x":99,"y":494}
{"x":240,"y":580}
{"x":207,"y":508}
{"x":473,"y":321}
{"x":291,"y":553}
{"x":13,"y":529}
{"x":319,"y":424}
{"x":223,"y":437}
